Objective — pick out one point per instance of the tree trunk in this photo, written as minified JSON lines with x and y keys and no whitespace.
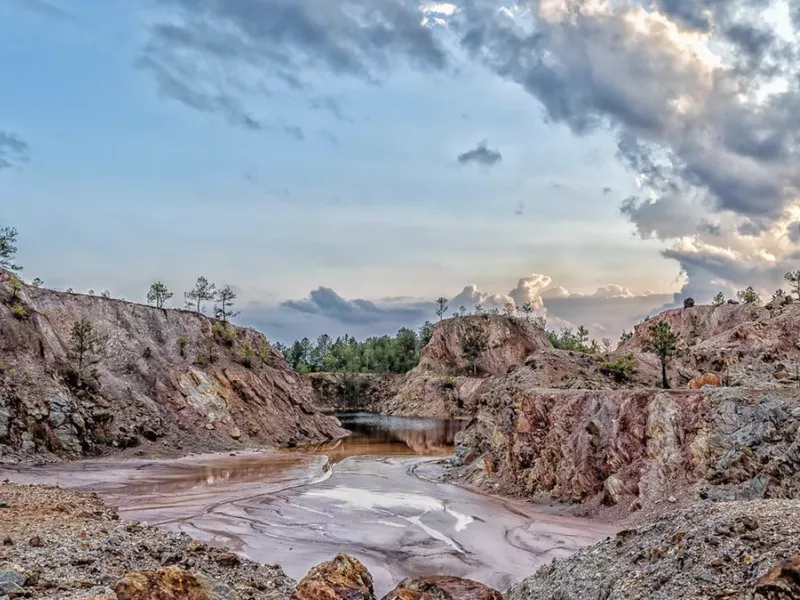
{"x":664,"y":380}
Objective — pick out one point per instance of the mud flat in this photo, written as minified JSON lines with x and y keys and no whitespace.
{"x":298,"y":509}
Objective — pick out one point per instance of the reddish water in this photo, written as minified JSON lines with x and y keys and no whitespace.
{"x":376,"y":498}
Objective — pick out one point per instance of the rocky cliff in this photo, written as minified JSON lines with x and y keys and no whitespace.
{"x":443,"y":384}
{"x":633,"y":448}
{"x":171,"y":377}
{"x":563,"y":426}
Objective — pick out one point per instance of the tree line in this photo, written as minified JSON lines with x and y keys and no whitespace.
{"x":381,"y":354}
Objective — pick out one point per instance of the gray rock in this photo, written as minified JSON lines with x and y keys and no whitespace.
{"x":5,"y":422}
{"x":11,"y":581}
{"x":28,"y":446}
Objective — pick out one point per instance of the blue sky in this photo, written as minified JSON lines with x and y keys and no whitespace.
{"x":352,"y":182}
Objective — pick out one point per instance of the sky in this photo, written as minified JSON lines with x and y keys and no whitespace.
{"x":341,"y":165}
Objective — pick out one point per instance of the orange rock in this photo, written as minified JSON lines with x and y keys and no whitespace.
{"x":781,"y":583}
{"x":706,"y":379}
{"x":170,"y":583}
{"x":442,"y":588}
{"x":343,"y":578}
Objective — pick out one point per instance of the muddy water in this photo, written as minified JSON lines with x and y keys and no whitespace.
{"x":374,"y":495}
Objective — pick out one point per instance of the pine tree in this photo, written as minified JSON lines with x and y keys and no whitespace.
{"x":225,"y":299}
{"x":663,"y":343}
{"x":441,"y":308}
{"x":474,"y":341}
{"x":158,"y":294}
{"x":8,"y":248}
{"x":84,"y":344}
{"x":203,"y":291}
{"x":793,"y":277}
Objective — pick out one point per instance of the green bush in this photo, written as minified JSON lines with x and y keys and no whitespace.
{"x":448,"y":383}
{"x":19,"y":311}
{"x":246,"y":354}
{"x":620,"y":369}
{"x":182,"y":343}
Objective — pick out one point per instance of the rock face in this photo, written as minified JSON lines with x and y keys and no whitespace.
{"x":338,"y":392}
{"x":173,"y":377}
{"x":708,"y":551}
{"x":509,"y":342}
{"x":745,"y":345}
{"x":631,"y":446}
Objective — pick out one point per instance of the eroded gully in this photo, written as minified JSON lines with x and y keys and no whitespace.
{"x":374,"y":495}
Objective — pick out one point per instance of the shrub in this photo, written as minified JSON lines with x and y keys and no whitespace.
{"x":202,"y":360}
{"x":19,"y":311}
{"x":263,"y":351}
{"x":147,"y":353}
{"x":246,"y":354}
{"x":620,"y":369}
{"x":448,"y":383}
{"x":182,"y":343}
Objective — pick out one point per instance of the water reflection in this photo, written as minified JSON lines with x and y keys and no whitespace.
{"x":392,"y":436}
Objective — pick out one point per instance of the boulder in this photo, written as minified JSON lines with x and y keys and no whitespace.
{"x":343,"y":578}
{"x":781,"y":583}
{"x":688,"y":302}
{"x":442,"y":588}
{"x":171,"y":583}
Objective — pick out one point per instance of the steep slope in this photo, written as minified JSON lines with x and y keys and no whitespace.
{"x":443,"y":385}
{"x":632,"y":447}
{"x":561,"y":427}
{"x":171,"y":376}
{"x":747,"y":345}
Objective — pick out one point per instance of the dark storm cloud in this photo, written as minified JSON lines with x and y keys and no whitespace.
{"x":211,"y":54}
{"x":12,"y":150}
{"x":326,"y":303}
{"x":481,"y":155}
{"x":684,"y":124}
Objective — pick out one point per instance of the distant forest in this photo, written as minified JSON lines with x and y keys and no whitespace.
{"x":384,"y":354}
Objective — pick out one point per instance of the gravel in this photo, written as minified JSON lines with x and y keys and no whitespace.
{"x":714,"y":551}
{"x":56,"y":543}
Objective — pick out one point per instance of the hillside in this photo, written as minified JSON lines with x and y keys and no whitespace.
{"x":171,"y":378}
{"x":563,"y":426}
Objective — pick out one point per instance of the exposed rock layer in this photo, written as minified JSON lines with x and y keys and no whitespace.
{"x":633,"y":445}
{"x":169,"y":376}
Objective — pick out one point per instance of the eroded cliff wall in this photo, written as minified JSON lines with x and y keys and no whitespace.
{"x":166,"y":377}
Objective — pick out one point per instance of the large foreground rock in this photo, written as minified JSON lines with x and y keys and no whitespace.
{"x":343,"y":578}
{"x":718,"y":551}
{"x":442,"y":588}
{"x":171,"y":377}
{"x":171,"y":583}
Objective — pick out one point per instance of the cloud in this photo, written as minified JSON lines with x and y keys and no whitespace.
{"x":609,"y":310}
{"x":327,"y":303}
{"x":481,"y":155}
{"x":44,"y":8}
{"x":12,"y":150}
{"x":699,"y":97}
{"x":213,"y":56}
